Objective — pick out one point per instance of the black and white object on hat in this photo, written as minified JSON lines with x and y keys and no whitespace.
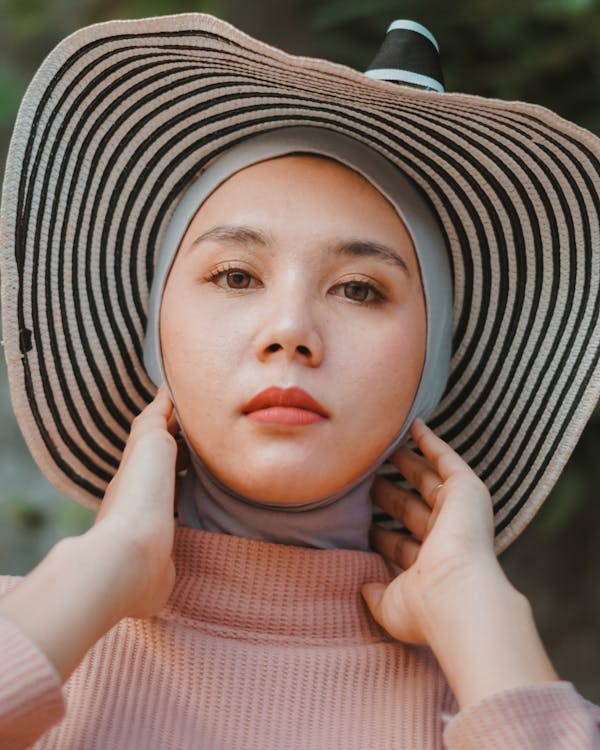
{"x":409,"y":55}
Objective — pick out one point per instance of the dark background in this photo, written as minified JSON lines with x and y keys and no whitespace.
{"x":545,"y":51}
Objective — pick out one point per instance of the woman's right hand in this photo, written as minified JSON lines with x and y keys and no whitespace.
{"x":137,"y":511}
{"x":122,"y":566}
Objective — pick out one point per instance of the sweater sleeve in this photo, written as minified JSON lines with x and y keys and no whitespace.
{"x":543,"y":716}
{"x":31,"y":698}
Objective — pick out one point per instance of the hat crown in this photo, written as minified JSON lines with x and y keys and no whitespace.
{"x":409,"y":55}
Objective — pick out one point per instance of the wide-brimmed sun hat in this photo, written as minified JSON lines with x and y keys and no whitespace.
{"x":123,"y":115}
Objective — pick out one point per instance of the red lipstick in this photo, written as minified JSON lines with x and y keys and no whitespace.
{"x":291,"y":406}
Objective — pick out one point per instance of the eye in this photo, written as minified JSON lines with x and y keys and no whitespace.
{"x":238,"y":279}
{"x":359,"y":291}
{"x":232,"y":278}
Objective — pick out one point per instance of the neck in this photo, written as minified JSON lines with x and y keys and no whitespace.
{"x":339,"y":522}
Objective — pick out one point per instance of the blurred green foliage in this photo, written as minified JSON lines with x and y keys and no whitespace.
{"x":11,"y":91}
{"x":577,"y":485}
{"x":19,"y":511}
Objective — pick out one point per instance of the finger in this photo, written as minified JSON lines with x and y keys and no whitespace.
{"x":444,"y":460}
{"x":419,"y":472}
{"x":183,"y":455}
{"x":148,"y":436}
{"x":145,"y":481}
{"x":402,"y":505}
{"x":173,"y":425}
{"x":155,"y":414}
{"x":147,"y":476}
{"x":373,"y":596}
{"x":395,"y":546}
{"x":161,"y":404}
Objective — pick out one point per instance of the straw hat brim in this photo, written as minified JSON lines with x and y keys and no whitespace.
{"x":122,"y":115}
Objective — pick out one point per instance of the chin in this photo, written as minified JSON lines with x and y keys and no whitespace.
{"x":288,"y":473}
{"x":287,"y":485}
{"x":293,"y":491}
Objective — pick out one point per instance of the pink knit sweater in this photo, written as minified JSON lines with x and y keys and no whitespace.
{"x":266,"y":646}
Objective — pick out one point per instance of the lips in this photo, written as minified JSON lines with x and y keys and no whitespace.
{"x":285,"y":406}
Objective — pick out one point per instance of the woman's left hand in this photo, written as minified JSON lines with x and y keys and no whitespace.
{"x":452,"y":535}
{"x":452,"y":594}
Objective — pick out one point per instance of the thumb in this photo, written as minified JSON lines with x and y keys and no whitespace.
{"x":373,"y":595}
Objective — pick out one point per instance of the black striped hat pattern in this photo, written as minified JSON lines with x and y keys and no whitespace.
{"x":120,"y":118}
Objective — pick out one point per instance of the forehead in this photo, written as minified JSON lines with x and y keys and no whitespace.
{"x":301,"y":200}
{"x":321,"y":190}
{"x":291,"y":167}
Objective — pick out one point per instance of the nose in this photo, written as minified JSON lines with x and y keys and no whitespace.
{"x":290,"y":330}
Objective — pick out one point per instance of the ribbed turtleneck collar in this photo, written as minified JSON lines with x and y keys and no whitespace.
{"x":239,"y":584}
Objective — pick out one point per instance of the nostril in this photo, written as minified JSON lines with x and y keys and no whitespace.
{"x":274,"y":347}
{"x":303,"y":350}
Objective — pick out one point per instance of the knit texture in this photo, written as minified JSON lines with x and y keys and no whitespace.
{"x":30,"y":689}
{"x":550,"y":716}
{"x":265,"y":646}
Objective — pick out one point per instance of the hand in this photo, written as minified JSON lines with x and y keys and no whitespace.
{"x":452,"y":594}
{"x":122,"y":566}
{"x":451,"y":545}
{"x":137,"y":512}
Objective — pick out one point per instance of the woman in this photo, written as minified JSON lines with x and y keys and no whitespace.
{"x":299,"y":321}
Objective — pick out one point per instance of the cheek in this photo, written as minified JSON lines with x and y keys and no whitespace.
{"x":386,"y":379}
{"x":203,"y":354}
{"x":198,"y":361}
{"x":190,"y":330}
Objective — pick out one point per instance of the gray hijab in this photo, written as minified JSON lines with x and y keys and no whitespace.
{"x":340,"y":520}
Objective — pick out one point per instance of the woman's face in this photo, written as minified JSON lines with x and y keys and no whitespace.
{"x":295,"y":274}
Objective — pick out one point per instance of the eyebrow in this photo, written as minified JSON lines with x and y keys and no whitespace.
{"x":367,"y":248}
{"x":234,"y":234}
{"x":239,"y":234}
